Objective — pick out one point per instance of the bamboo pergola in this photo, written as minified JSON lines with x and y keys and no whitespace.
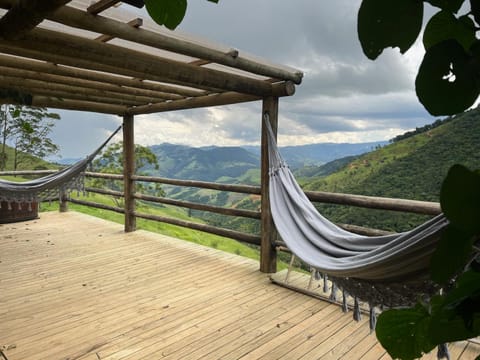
{"x":100,"y":57}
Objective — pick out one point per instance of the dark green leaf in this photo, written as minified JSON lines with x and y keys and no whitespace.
{"x":445,"y":26}
{"x":167,"y":12}
{"x":446,"y":82}
{"x":388,"y":23}
{"x":458,"y":318}
{"x":450,"y":5}
{"x":475,"y":9}
{"x":451,"y":254}
{"x":403,"y":332}
{"x":460,"y":198}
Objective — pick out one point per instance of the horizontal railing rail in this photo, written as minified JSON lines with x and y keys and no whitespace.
{"x":372,"y":202}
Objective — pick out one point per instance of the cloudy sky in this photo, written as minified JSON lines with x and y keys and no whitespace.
{"x":344,"y":97}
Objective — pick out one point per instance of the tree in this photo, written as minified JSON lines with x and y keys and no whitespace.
{"x":111,"y":162}
{"x":27,"y":130}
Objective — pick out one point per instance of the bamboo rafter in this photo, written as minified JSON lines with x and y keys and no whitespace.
{"x":102,"y":63}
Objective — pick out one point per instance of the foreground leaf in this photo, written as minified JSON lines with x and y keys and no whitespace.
{"x":167,"y":12}
{"x":460,"y":198}
{"x":388,"y":23}
{"x":458,"y":317}
{"x":445,"y":26}
{"x":453,"y":251}
{"x":446,"y":82}
{"x":404,"y":332}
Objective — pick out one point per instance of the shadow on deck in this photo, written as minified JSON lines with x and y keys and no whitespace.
{"x":77,"y":287}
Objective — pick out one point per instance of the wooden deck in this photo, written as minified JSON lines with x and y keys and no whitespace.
{"x":76,"y":287}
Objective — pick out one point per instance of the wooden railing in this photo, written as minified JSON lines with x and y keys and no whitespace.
{"x":409,"y":206}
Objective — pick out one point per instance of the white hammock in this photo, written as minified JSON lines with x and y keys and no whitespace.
{"x":52,"y":186}
{"x":390,"y":269}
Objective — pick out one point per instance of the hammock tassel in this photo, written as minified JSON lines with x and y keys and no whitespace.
{"x":333,"y":294}
{"x":317,"y":275}
{"x":325,"y":283}
{"x":373,"y":318}
{"x":442,"y":352}
{"x":344,"y":302}
{"x":357,"y":316}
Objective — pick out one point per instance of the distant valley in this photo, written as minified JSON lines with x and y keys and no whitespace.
{"x":229,"y":164}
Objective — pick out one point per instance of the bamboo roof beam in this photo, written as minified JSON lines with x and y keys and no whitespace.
{"x":55,"y":57}
{"x":191,"y":103}
{"x":44,"y":101}
{"x":145,"y":96}
{"x":70,"y":92}
{"x":101,"y":5}
{"x":25,"y":15}
{"x":67,"y":96}
{"x":164,"y":91}
{"x":78,"y":48}
{"x":135,"y":23}
{"x":208,"y":100}
{"x":79,"y":19}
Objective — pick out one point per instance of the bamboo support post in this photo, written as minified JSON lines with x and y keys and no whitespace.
{"x":268,"y":253}
{"x":128,"y":172}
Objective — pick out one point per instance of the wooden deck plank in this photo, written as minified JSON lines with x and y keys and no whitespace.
{"x":79,"y":288}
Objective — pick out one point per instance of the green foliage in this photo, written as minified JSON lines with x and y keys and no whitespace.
{"x":447,"y":82}
{"x":27,"y":130}
{"x":111,"y":162}
{"x":169,"y":13}
{"x":411,"y":168}
{"x":409,"y":333}
{"x":460,"y":196}
{"x":456,"y":315}
{"x":402,"y":332}
{"x":379,"y":22}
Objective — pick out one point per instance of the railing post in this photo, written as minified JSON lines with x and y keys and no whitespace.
{"x":268,"y":253}
{"x":63,"y":206}
{"x":128,"y":172}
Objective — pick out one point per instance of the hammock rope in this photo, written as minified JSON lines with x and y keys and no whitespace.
{"x":50,"y":187}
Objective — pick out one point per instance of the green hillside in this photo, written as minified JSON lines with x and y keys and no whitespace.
{"x":410,"y":168}
{"x":26,"y":161}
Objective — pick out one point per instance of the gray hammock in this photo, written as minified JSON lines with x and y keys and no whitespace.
{"x":391,"y":270}
{"x":50,"y":187}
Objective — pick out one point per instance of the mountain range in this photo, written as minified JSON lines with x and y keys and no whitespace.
{"x":227,"y":163}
